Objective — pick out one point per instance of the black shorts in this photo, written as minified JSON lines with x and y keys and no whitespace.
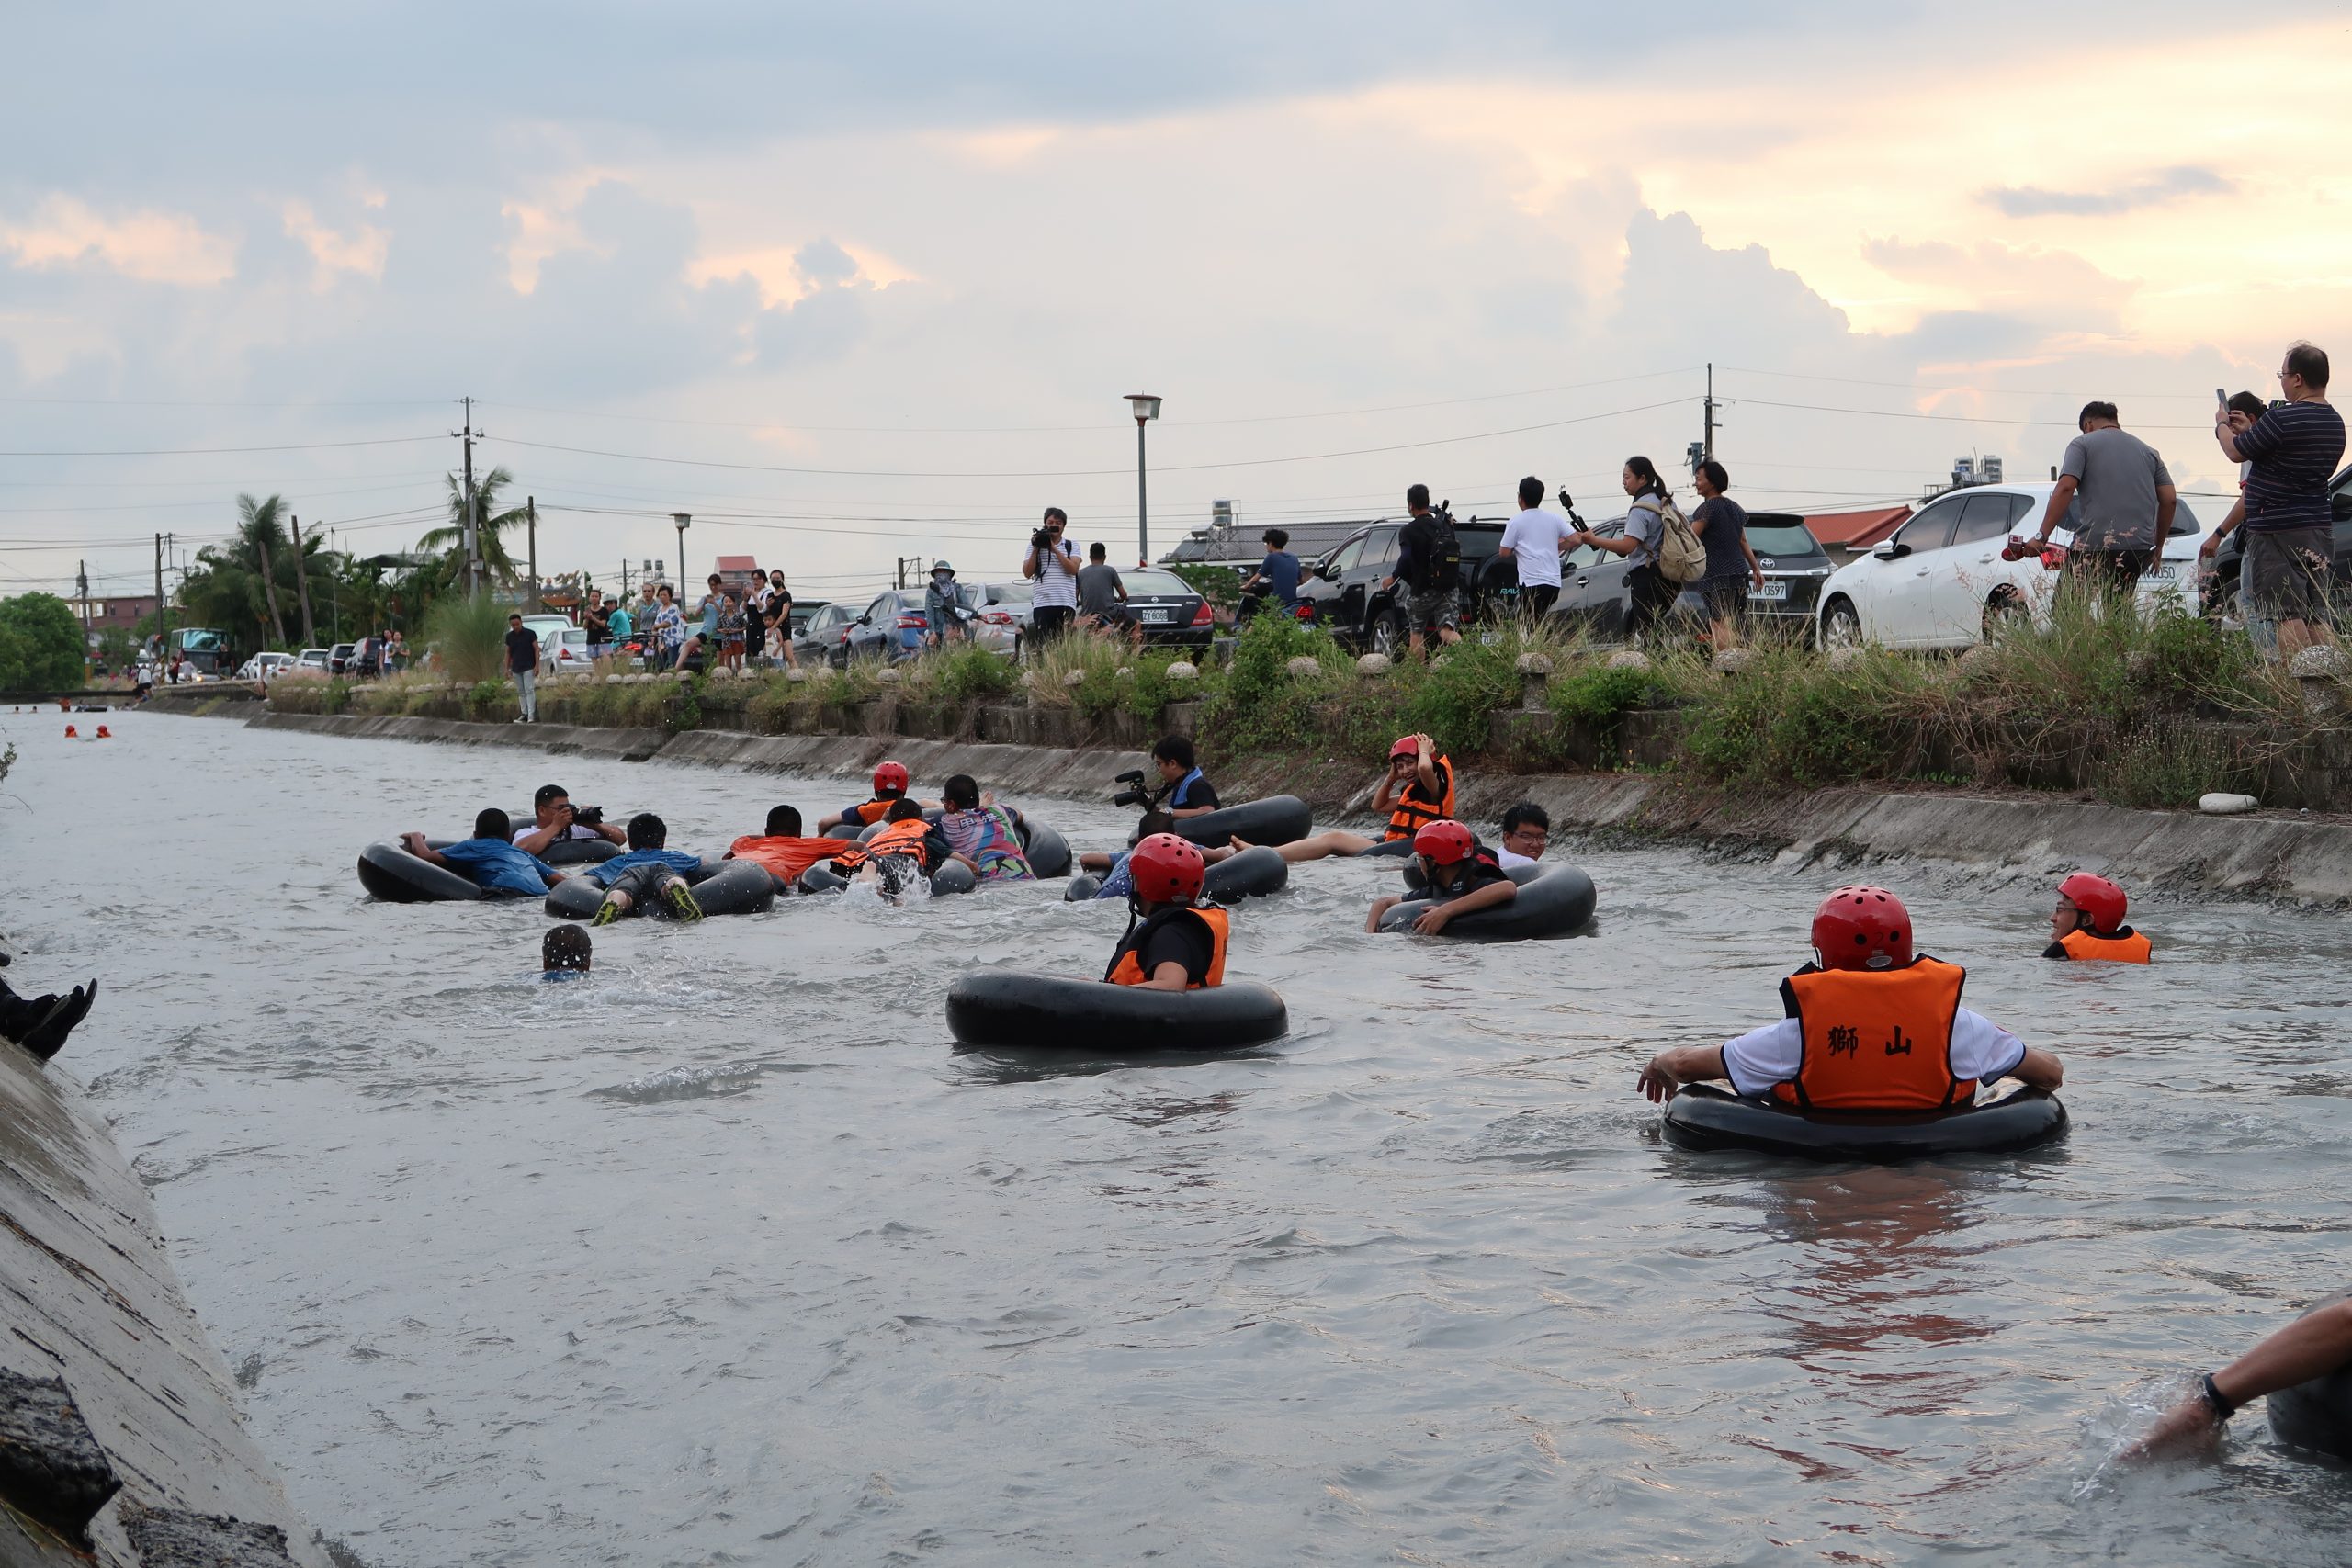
{"x":1652,"y":596}
{"x":1535,"y":599}
{"x":1047,"y":622}
{"x":1726,"y":596}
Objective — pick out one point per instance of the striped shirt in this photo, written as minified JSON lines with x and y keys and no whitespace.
{"x":2295,"y":449}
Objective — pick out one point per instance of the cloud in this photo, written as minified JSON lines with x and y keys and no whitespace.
{"x":144,"y":243}
{"x":2165,"y":185}
{"x":361,"y":250}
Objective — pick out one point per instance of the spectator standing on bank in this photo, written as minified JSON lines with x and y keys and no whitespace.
{"x":1429,"y":562}
{"x":1532,"y":542}
{"x":618,"y":625}
{"x":597,"y":622}
{"x":755,"y":621}
{"x":1053,"y":566}
{"x":1277,"y":575}
{"x":1101,"y":597}
{"x":1721,"y":524}
{"x":2126,"y":502}
{"x":395,"y":652}
{"x":1646,"y":587}
{"x":2260,"y":628}
{"x":732,"y":629}
{"x":668,"y":628}
{"x":943,"y":606}
{"x":523,"y":664}
{"x":2294,"y":447}
{"x":779,"y":612}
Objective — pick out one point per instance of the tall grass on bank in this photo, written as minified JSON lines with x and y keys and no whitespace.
{"x":467,"y":637}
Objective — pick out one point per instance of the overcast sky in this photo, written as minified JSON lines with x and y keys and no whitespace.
{"x":856,"y":283}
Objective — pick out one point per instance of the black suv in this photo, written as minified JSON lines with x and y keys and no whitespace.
{"x":1343,"y":589}
{"x":2229,"y":561}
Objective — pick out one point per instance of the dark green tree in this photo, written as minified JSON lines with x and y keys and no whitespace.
{"x":493,"y":518}
{"x":41,"y":645}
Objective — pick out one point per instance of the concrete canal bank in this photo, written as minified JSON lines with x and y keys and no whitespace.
{"x":2299,"y":856}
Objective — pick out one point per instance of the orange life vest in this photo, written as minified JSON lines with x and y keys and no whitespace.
{"x":870,"y":813}
{"x":784,"y":857}
{"x":1415,"y":811}
{"x":2127,"y":947}
{"x":1127,"y":967}
{"x":1876,"y":1039}
{"x":898,"y":838}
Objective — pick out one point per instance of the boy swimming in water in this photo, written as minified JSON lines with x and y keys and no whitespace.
{"x":565,"y":951}
{"x":2088,"y":923}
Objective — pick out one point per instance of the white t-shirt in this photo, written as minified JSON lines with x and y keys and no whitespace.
{"x":1981,"y":1049}
{"x":1533,"y":539}
{"x":570,"y":830}
{"x":1511,"y":860}
{"x":1056,"y":586}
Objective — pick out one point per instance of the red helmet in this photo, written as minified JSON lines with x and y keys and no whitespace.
{"x":2102,"y":900}
{"x":891,"y":775}
{"x":1445,"y":842}
{"x":1165,"y":869}
{"x":1861,"y":927}
{"x":1407,"y":746}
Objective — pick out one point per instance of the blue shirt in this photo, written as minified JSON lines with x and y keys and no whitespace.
{"x":2294,"y":448}
{"x":498,"y":866}
{"x":1118,"y":881}
{"x":1182,"y":797}
{"x":676,"y":860}
{"x":620,"y":626}
{"x":1280,"y":569}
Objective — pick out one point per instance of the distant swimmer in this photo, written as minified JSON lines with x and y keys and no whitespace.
{"x":907,"y":849}
{"x":491,"y":859}
{"x":1869,"y":1027}
{"x":564,"y":953}
{"x":891,"y":781}
{"x":649,"y":876}
{"x":781,"y":849}
{"x":2088,"y":923}
{"x":1173,"y":941}
{"x":1418,"y":791}
{"x":2314,"y":1346}
{"x":1462,"y":875}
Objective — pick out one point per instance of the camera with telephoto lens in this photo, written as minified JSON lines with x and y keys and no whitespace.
{"x":589,"y":816}
{"x":1135,"y":793}
{"x":1043,"y":539}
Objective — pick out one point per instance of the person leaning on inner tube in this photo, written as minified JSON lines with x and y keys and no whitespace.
{"x":891,"y":781}
{"x":2314,"y":1345}
{"x":2088,"y":923}
{"x":907,"y":848}
{"x":1462,"y":875}
{"x":1418,"y":791}
{"x":1870,"y":1027}
{"x":1174,"y":942}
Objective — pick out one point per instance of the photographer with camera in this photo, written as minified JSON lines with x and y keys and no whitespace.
{"x":1428,"y":560}
{"x":558,"y":819}
{"x":1053,"y":566}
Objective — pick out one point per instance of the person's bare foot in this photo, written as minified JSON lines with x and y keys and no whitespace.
{"x":1237,"y":844}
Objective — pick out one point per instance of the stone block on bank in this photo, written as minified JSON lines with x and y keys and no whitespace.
{"x":1735,"y":660}
{"x":1183,"y":670}
{"x":1375,"y":664}
{"x":1629,"y":659}
{"x":1305,"y":668}
{"x":2222,"y":804}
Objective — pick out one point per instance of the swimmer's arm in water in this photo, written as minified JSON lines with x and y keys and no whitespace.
{"x":414,"y":844}
{"x":1430,"y":921}
{"x":1380,"y":906}
{"x":828,"y":822}
{"x":2305,"y":1349}
{"x":1669,"y":1070}
{"x":1095,"y":860}
{"x":2038,"y":1069}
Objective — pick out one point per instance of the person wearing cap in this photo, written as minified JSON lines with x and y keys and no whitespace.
{"x":943,"y":604}
{"x":1173,"y":941}
{"x":2088,"y":925}
{"x":1418,"y":790}
{"x":1871,"y":1026}
{"x":1459,"y":874}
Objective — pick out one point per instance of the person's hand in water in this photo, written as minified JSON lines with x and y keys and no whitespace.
{"x":2189,"y":1430}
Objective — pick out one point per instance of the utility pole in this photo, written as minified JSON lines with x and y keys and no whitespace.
{"x":334,"y":592}
{"x":158,"y":599}
{"x":302,"y":582}
{"x":531,"y":528}
{"x":624,"y":579}
{"x":1711,"y":410}
{"x":472,"y":540}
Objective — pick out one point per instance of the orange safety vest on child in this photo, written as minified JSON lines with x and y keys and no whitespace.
{"x":2126,"y":946}
{"x":898,"y":838}
{"x":1414,"y":810}
{"x":1876,"y":1039}
{"x":1127,"y":967}
{"x":785,"y":857}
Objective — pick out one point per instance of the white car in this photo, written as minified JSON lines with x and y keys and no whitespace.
{"x":310,"y":661}
{"x":1940,"y":581}
{"x":265,"y":667}
{"x":562,"y":652}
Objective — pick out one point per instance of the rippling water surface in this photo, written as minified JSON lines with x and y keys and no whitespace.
{"x":724,"y":1256}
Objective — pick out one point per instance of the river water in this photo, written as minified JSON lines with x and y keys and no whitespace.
{"x":725,"y":1256}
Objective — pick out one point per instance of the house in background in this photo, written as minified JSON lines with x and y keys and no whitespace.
{"x":738,"y":571}
{"x":1846,"y":534}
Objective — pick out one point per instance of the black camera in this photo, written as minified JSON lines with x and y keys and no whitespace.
{"x":1135,"y":793}
{"x":1043,"y":539}
{"x":590,"y":817}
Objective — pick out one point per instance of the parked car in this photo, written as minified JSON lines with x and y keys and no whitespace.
{"x":547,"y":627}
{"x":1004,"y":616}
{"x":1940,"y":581}
{"x":265,"y":667}
{"x":2229,"y":561}
{"x":817,"y":640}
{"x":563,"y":651}
{"x":1593,"y":595}
{"x":1171,"y":612}
{"x":892,"y":628}
{"x":310,"y":661}
{"x":339,"y":658}
{"x":1343,"y":591}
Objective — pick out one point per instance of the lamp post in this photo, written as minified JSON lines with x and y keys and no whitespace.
{"x":1147,"y":409}
{"x":682,"y":519}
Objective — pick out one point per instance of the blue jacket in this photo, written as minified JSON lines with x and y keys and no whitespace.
{"x":499,"y":867}
{"x":676,"y":860}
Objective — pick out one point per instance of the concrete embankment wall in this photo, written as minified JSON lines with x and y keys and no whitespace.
{"x":107,"y":1380}
{"x":2288,"y":855}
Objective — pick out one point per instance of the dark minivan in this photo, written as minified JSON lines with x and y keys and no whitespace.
{"x":1343,"y":592}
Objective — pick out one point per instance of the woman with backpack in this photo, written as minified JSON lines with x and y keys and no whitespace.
{"x":1650,"y":534}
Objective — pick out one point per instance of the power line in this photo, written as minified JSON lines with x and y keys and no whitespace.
{"x":1946,"y":418}
{"x":1958,"y":387}
{"x":220,"y":451}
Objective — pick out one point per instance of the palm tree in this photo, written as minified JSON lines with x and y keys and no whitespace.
{"x":490,"y":523}
{"x":259,"y":531}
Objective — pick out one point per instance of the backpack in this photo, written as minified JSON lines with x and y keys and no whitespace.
{"x":1440,"y":566}
{"x":1681,"y":558}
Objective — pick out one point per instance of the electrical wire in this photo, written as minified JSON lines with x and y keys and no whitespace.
{"x":220,"y":451}
{"x":1947,"y":418}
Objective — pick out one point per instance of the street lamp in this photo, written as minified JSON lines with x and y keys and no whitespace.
{"x":1147,"y":407}
{"x":682,"y":519}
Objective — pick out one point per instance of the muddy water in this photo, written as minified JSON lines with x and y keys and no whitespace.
{"x":724,"y":1256}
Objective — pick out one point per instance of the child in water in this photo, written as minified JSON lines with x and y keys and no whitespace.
{"x":564,"y":953}
{"x":2088,"y":923}
{"x":1461,"y":875}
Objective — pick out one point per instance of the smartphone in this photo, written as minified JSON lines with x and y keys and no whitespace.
{"x":2221,"y":396}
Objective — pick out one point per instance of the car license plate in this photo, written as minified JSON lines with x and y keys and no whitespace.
{"x":2166,"y":571}
{"x":1157,"y":615}
{"x":1774,"y":588}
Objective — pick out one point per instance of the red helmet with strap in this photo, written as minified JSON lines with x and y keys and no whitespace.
{"x":1407,"y":746}
{"x":891,"y":775}
{"x":2102,"y":900}
{"x":1445,"y":842}
{"x":1861,"y":927}
{"x":1165,"y":869}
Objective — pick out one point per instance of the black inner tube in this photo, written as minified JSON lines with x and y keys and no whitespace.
{"x":1705,"y":1118}
{"x":2316,"y":1415}
{"x":1002,"y":1009}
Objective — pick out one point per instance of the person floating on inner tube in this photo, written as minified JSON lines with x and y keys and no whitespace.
{"x":649,"y":875}
{"x":491,"y":859}
{"x":2314,"y":1345}
{"x":1418,"y":791}
{"x":555,"y":819}
{"x":1462,"y":875}
{"x":41,"y":1024}
{"x":907,"y":849}
{"x":891,"y":781}
{"x":782,"y":849}
{"x":1527,"y":830}
{"x":2088,"y":924}
{"x":1117,"y":880}
{"x":985,"y":836}
{"x":1190,"y":794}
{"x":1870,"y":1027}
{"x":1173,"y":941}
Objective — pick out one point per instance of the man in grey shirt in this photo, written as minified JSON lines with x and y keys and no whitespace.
{"x":2126,"y":500}
{"x":1101,"y":597}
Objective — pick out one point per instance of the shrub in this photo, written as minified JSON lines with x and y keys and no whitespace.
{"x":468,"y":637}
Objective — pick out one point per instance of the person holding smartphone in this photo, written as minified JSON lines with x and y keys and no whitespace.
{"x":1053,"y":566}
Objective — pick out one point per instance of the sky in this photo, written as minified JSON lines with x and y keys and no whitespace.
{"x":855,"y":283}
